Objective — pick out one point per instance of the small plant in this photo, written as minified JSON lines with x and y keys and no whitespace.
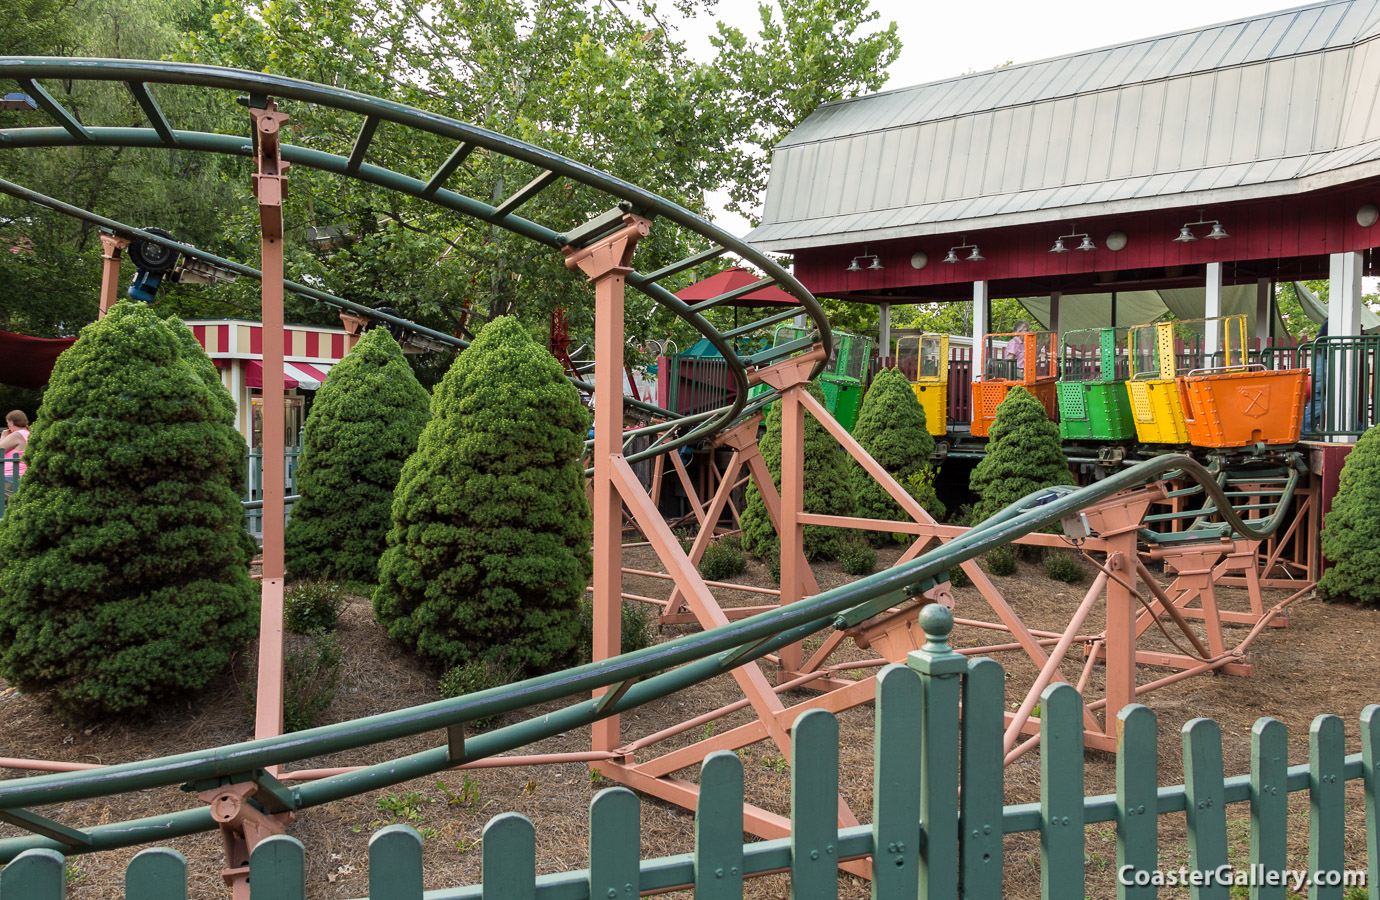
{"x":1064,"y":567}
{"x":856,"y":556}
{"x":1001,"y":560}
{"x":722,"y":559}
{"x":708,"y":730}
{"x":685,"y":536}
{"x":636,"y":630}
{"x":466,"y":795}
{"x":595,"y":778}
{"x":311,"y":675}
{"x":473,"y":676}
{"x":406,"y":810}
{"x":778,"y":764}
{"x":958,"y":577}
{"x":465,"y":845}
{"x":311,"y":606}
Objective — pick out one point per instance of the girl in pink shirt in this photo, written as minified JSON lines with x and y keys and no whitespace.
{"x":13,"y":440}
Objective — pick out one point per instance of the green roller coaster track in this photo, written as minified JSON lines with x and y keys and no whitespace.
{"x":648,"y":674}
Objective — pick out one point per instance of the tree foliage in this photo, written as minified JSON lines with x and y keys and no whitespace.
{"x":891,"y":428}
{"x":363,"y":425}
{"x":1024,"y":454}
{"x":124,"y":555}
{"x":489,"y":552}
{"x":1351,"y":534}
{"x":826,"y":487}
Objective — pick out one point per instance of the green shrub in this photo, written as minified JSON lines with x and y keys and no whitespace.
{"x":311,"y":676}
{"x":963,"y":516}
{"x":489,"y":553}
{"x":363,"y":425}
{"x":1351,"y":533}
{"x":920,"y":485}
{"x":826,"y":486}
{"x":1001,"y":560}
{"x":774,"y":564}
{"x":1064,"y":567}
{"x":124,"y":560}
{"x":891,"y":428}
{"x":310,"y":606}
{"x":636,"y":629}
{"x":856,"y":556}
{"x":474,"y":676}
{"x":958,"y":577}
{"x":722,"y":559}
{"x":1024,"y":454}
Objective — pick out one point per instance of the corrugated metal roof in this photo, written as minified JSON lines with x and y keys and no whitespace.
{"x":1237,"y":110}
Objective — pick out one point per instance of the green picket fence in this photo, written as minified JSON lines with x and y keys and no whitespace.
{"x":927,"y":838}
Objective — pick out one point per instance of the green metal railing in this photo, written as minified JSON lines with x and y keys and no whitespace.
{"x":1345,"y":396}
{"x":938,"y":817}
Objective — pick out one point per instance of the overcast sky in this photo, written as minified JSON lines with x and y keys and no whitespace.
{"x":944,"y":39}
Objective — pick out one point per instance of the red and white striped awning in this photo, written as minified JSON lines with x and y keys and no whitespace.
{"x":307,"y":376}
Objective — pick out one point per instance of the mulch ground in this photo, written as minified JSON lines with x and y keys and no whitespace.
{"x":1323,"y":662}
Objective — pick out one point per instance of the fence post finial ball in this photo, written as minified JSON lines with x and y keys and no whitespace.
{"x":936,"y":657}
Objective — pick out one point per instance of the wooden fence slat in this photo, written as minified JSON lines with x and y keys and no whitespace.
{"x":510,"y":858}
{"x":1326,"y":805}
{"x":814,"y":806}
{"x":941,"y":673}
{"x":35,"y":875}
{"x":1370,"y":747}
{"x":395,"y":864}
{"x":896,"y":785}
{"x":1062,"y":839}
{"x":277,"y":869}
{"x":159,"y":873}
{"x":1137,"y":790}
{"x":983,"y":770}
{"x":615,"y":845}
{"x":719,"y":828}
{"x":1206,"y":806}
{"x":1269,"y":805}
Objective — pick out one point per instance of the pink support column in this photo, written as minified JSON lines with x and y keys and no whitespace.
{"x":606,"y":263}
{"x":270,"y":186}
{"x":112,"y":245}
{"x":792,"y":505}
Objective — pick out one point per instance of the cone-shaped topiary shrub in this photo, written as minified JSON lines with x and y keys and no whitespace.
{"x":891,"y":427}
{"x":363,"y":426}
{"x":1024,"y":454}
{"x":1351,"y":534}
{"x":123,"y":559}
{"x":826,"y":487}
{"x":489,"y":552}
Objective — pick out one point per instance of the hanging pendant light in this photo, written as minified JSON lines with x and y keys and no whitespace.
{"x":1217,"y":232}
{"x":876,"y":265}
{"x":975,"y":256}
{"x":1087,"y":244}
{"x":951,"y":258}
{"x":1059,"y":247}
{"x":853,"y":266}
{"x":1185,"y":235}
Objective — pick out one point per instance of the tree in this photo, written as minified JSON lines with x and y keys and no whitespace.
{"x":1351,"y":534}
{"x":363,"y":426}
{"x":124,"y":556}
{"x":891,"y":427}
{"x":814,"y":53}
{"x":1023,"y":455}
{"x":489,"y":553}
{"x":826,"y":487}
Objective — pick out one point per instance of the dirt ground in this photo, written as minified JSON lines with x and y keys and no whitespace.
{"x":1323,"y":662}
